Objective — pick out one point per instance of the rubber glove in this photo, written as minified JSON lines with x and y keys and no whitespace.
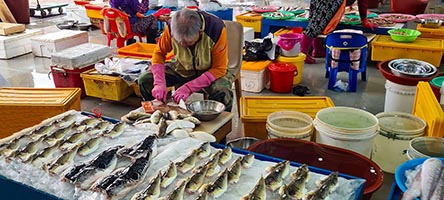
{"x":162,"y":11}
{"x":184,"y":91}
{"x":140,"y":15}
{"x":367,"y":24}
{"x":160,"y":90}
{"x":362,"y":6}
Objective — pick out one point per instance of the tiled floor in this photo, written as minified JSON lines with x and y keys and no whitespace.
{"x":30,"y":71}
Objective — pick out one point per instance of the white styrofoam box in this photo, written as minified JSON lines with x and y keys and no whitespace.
{"x":254,"y":81}
{"x":248,"y":34}
{"x":80,"y":56}
{"x":47,"y":44}
{"x":17,"y":44}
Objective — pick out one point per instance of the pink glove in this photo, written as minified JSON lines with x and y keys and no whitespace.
{"x":162,"y":11}
{"x":367,"y":24}
{"x":184,"y":91}
{"x":159,"y":91}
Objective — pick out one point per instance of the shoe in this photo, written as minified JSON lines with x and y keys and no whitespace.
{"x":318,"y":48}
{"x":130,"y":41}
{"x":305,"y":48}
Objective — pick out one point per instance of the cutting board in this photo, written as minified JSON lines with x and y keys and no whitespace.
{"x":11,"y":28}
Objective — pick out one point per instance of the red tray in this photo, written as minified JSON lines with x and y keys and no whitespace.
{"x":398,"y":17}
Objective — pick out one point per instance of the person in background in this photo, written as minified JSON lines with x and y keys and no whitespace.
{"x":323,"y":18}
{"x":145,"y":25}
{"x":199,"y":42}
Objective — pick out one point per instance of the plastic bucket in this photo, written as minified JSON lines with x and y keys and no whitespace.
{"x":345,"y":127}
{"x":392,"y":141}
{"x":298,"y":61}
{"x":281,"y":77}
{"x":290,"y":43}
{"x":289,"y":124}
{"x":436,"y":84}
{"x":421,"y":147}
{"x":399,"y":97}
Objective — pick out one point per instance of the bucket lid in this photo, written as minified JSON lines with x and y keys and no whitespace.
{"x":401,"y":123}
{"x":292,"y":59}
{"x":282,"y":67}
{"x":437,"y":81}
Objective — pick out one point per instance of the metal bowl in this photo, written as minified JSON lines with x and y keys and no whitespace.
{"x":411,"y":67}
{"x":431,"y":23}
{"x":206,"y":110}
{"x":243,"y":142}
{"x":83,"y":26}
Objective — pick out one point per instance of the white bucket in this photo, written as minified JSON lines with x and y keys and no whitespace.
{"x":345,"y":127}
{"x":421,"y":147}
{"x":391,"y":144}
{"x":399,"y":97}
{"x":289,"y":124}
{"x":292,"y":52}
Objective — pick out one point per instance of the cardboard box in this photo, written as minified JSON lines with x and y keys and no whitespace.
{"x":25,"y":107}
{"x":17,"y":44}
{"x":80,"y":56}
{"x":47,"y":44}
{"x":11,"y":28}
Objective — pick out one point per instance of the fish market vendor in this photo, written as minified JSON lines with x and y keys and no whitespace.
{"x":199,"y":42}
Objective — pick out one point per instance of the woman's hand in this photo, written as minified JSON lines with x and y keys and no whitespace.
{"x":367,"y":24}
{"x":140,"y":15}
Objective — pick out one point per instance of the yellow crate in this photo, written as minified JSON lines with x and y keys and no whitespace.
{"x":140,"y":50}
{"x":426,"y":106}
{"x":255,"y":110}
{"x":282,"y":31}
{"x":25,"y":107}
{"x":93,"y":10}
{"x":105,"y":86}
{"x":250,"y":19}
{"x":426,"y":49}
{"x":431,"y":32}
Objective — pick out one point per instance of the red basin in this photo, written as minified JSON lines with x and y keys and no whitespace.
{"x":402,"y":80}
{"x":325,"y":157}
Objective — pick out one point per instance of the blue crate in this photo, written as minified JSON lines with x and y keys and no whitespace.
{"x":223,"y":14}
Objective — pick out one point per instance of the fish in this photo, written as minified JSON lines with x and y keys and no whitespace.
{"x":136,"y":115}
{"x":26,"y":152}
{"x":235,"y":170}
{"x":150,"y":192}
{"x":67,"y":119}
{"x":431,"y":171}
{"x":101,"y":184}
{"x":274,"y":180}
{"x":326,"y":185}
{"x":90,"y":146}
{"x":174,"y":115}
{"x":177,"y":193}
{"x":213,"y":164}
{"x":116,"y":131}
{"x":179,"y":124}
{"x":88,"y":122}
{"x":414,"y":190}
{"x":294,"y":189}
{"x":202,"y":136}
{"x":92,"y":131}
{"x":138,"y":150}
{"x":102,"y":126}
{"x":225,"y":156}
{"x":61,"y":162}
{"x":43,"y":155}
{"x":281,"y":166}
{"x":196,"y":180}
{"x":131,"y":177}
{"x":187,"y":163}
{"x":192,"y":119}
{"x":155,"y":117}
{"x":439,"y":190}
{"x":258,"y":192}
{"x":169,"y":175}
{"x":72,"y":140}
{"x":42,"y":131}
{"x":203,"y":195}
{"x":142,"y":121}
{"x":219,"y":186}
{"x":247,"y":161}
{"x":162,"y":126}
{"x":204,"y":150}
{"x":57,"y":135}
{"x":100,"y":166}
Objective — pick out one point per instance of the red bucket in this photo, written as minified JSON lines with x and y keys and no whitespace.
{"x":281,"y":77}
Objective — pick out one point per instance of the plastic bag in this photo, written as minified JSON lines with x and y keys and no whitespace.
{"x":257,"y":49}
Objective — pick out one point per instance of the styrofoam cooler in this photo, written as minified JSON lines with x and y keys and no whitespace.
{"x":68,"y":64}
{"x":17,"y":44}
{"x":47,"y":44}
{"x":254,"y":75}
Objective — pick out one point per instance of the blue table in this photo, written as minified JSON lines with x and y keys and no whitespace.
{"x":268,"y":23}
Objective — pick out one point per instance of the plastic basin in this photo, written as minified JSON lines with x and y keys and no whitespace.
{"x":402,"y":80}
{"x":404,"y":34}
{"x":400,"y":177}
{"x":326,"y":157}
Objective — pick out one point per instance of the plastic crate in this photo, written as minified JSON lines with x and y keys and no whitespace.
{"x":281,"y":31}
{"x":250,"y":19}
{"x":255,"y":109}
{"x":105,"y":86}
{"x":223,"y":14}
{"x":93,"y":10}
{"x":426,"y":49}
{"x":140,"y":50}
{"x":25,"y":107}
{"x":431,"y":32}
{"x":254,"y":75}
{"x":427,"y":107}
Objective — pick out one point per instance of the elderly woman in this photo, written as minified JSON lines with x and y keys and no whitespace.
{"x":199,"y":42}
{"x":145,"y":25}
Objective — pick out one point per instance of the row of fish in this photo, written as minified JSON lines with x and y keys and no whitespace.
{"x":428,"y":182}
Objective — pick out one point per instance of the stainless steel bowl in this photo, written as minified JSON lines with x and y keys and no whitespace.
{"x":83,"y":26}
{"x":206,"y":110}
{"x":411,"y":67}
{"x":431,"y":23}
{"x":242,"y":143}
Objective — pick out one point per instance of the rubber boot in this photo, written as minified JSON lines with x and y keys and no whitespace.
{"x":305,"y":48}
{"x":318,"y":48}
